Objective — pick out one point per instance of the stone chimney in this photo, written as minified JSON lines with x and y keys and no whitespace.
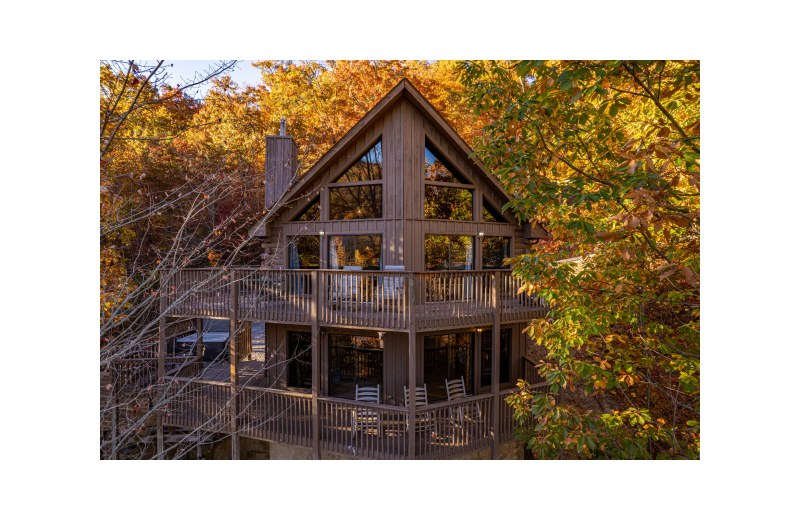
{"x":280,"y":164}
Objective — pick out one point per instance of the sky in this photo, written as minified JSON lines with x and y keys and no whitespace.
{"x":182,"y":71}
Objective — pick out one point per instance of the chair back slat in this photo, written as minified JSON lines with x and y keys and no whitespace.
{"x":368,"y":394}
{"x":421,"y":393}
{"x":456,"y":389}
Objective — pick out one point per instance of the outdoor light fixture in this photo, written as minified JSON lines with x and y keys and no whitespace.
{"x":321,"y":233}
{"x":480,"y":330}
{"x":480,"y":234}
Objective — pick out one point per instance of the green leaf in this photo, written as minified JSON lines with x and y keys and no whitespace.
{"x":613,"y":110}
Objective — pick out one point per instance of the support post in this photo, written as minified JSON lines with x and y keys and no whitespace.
{"x":412,"y":368}
{"x":314,"y":368}
{"x":162,"y":354}
{"x":234,"y":360}
{"x":114,"y":411}
{"x":496,"y":366}
{"x":478,"y":368}
{"x":198,"y":325}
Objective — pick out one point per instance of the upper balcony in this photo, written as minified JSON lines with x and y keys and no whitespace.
{"x":378,"y":300}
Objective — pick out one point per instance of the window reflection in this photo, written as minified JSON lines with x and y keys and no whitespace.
{"x":448,"y":357}
{"x":355,"y":250}
{"x":312,"y":212}
{"x":299,"y":366}
{"x":439,"y":170}
{"x":368,"y":168}
{"x":449,"y":252}
{"x":304,"y":252}
{"x":490,"y":214}
{"x":486,"y":357}
{"x":354,"y":202}
{"x":444,"y":202}
{"x":353,"y":360}
{"x":495,"y":249}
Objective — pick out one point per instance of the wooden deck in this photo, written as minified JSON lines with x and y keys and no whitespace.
{"x":377,"y":300}
{"x":347,"y":428}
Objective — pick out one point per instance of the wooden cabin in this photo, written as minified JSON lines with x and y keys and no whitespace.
{"x":384,"y":271}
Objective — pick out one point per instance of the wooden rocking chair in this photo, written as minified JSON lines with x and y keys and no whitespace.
{"x":390,"y":289}
{"x":365,"y":419}
{"x":424,"y":422}
{"x":346,"y":295}
{"x":456,"y":389}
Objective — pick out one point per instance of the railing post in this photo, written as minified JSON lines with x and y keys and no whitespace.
{"x":496,"y":367}
{"x":412,"y":367}
{"x":314,"y":367}
{"x":234,"y":359}
{"x":198,"y":324}
{"x":162,"y":354}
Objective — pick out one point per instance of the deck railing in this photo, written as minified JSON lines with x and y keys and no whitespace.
{"x":363,"y":430}
{"x":366,"y":299}
{"x":193,"y":403}
{"x":275,"y":415}
{"x":451,"y":428}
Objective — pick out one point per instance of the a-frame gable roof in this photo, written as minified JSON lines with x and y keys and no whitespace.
{"x":404,"y":89}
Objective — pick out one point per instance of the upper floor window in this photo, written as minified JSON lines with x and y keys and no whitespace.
{"x":446,"y":252}
{"x":312,"y":211}
{"x":362,"y":251}
{"x":490,"y":214}
{"x":495,"y":250}
{"x":439,"y":170}
{"x":304,"y":252}
{"x":360,"y":194}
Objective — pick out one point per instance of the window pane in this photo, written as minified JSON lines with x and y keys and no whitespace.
{"x":354,"y":202}
{"x":304,"y":252}
{"x":448,"y":357}
{"x":312,"y":212}
{"x":447,"y":203}
{"x":495,"y":249}
{"x":438,"y":170}
{"x":368,"y":168}
{"x":490,"y":214}
{"x":299,"y":367}
{"x":486,"y":357}
{"x":354,"y":360}
{"x":445,"y":252}
{"x":356,"y":250}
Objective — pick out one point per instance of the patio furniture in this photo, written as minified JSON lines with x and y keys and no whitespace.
{"x":425,"y":421}
{"x":390,"y":288}
{"x":347,"y":292}
{"x":366,"y":419}
{"x":456,"y":389}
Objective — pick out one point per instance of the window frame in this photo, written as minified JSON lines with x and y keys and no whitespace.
{"x":329,"y":354}
{"x":510,"y":251}
{"x":449,"y":164}
{"x":333,"y":184}
{"x":329,"y":241}
{"x":425,"y":251}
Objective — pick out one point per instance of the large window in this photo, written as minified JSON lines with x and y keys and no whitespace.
{"x":363,"y":251}
{"x":448,"y":357}
{"x":299,"y":356}
{"x":449,"y":252}
{"x":353,"y":360}
{"x":438,"y":169}
{"x":446,"y":203}
{"x":486,"y":357}
{"x":495,"y":249}
{"x":304,"y":252}
{"x":356,"y":201}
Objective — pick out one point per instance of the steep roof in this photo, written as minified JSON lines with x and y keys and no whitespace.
{"x":404,"y":89}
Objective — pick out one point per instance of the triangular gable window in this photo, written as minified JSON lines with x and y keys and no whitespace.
{"x":312,"y":212}
{"x":439,"y":170}
{"x":368,"y":168}
{"x":490,"y":214}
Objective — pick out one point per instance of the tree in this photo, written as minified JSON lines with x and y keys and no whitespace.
{"x":606,"y":154}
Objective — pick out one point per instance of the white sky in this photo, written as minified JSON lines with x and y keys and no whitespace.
{"x":182,"y":71}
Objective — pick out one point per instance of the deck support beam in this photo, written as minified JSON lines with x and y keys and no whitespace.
{"x":412,"y":368}
{"x":314,"y":368}
{"x":162,"y":354}
{"x":496,"y":367}
{"x":234,"y":360}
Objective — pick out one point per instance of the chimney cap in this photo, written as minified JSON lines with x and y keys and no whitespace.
{"x":283,"y":126}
